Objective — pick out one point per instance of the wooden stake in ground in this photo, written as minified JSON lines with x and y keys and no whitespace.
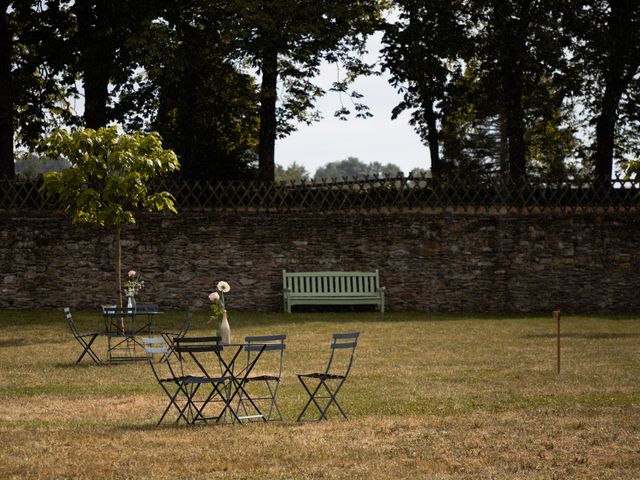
{"x":556,"y":315}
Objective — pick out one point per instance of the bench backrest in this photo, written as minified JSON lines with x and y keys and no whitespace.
{"x":331,"y":283}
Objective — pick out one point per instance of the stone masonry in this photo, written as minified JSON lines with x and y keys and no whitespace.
{"x":427,"y":261}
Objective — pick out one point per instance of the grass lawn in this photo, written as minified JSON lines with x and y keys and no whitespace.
{"x":429,"y":397}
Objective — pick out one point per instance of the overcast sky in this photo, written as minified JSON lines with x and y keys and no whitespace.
{"x":377,"y":139}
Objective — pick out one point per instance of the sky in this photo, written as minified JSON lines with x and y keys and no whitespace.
{"x":376,"y":139}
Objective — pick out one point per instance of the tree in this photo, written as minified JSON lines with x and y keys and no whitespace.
{"x":518,"y":43}
{"x":6,"y":99}
{"x":293,"y":173}
{"x":29,"y":164}
{"x":352,"y":167}
{"x":423,"y":48}
{"x":108,"y":180}
{"x":287,"y":40}
{"x":102,"y":46}
{"x":474,"y":136}
{"x":607,"y":58}
{"x":33,"y":84}
{"x":193,"y":93}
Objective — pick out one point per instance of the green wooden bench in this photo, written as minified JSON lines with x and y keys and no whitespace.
{"x":332,"y":288}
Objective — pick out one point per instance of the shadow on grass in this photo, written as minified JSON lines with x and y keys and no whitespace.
{"x":585,"y":336}
{"x":86,"y":364}
{"x":25,"y":342}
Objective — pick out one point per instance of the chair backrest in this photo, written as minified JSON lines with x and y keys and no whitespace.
{"x":269,"y":362}
{"x":154,"y":346}
{"x":70,"y":322}
{"x":147,"y":308}
{"x":198,"y":353}
{"x":343,"y":348}
{"x":186,"y":325}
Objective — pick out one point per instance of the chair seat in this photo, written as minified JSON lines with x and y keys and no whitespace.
{"x":203,"y":380}
{"x":323,"y":376}
{"x":262,"y":378}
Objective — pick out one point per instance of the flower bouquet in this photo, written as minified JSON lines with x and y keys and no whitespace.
{"x":132,"y":286}
{"x":219,"y":311}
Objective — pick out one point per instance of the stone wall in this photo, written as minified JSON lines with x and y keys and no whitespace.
{"x":427,"y":261}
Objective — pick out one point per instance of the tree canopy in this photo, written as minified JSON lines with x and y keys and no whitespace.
{"x":536,"y":87}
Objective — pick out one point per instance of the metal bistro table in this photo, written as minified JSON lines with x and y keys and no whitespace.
{"x":227,"y":386}
{"x":123,"y":327}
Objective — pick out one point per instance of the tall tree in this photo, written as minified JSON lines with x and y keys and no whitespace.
{"x":105,"y":31}
{"x":607,"y":55}
{"x":287,"y":40}
{"x":422,"y":49}
{"x":192,"y":91}
{"x":518,"y":58}
{"x":33,"y":81}
{"x":6,"y":100}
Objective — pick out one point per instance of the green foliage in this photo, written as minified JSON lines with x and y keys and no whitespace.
{"x":352,"y":167}
{"x":29,"y":164}
{"x":423,"y":48}
{"x":293,"y":173}
{"x":287,"y":40}
{"x":193,"y":93}
{"x":110,"y":174}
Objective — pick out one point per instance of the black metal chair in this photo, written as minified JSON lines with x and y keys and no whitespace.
{"x":85,"y":339}
{"x":330,"y":382}
{"x":168,"y":376}
{"x":197,"y":355}
{"x":269,"y":374}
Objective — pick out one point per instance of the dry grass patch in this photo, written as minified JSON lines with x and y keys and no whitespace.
{"x":430,"y":397}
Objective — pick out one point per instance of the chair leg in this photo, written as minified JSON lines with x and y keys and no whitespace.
{"x":87,"y":349}
{"x":274,"y":404}
{"x":333,"y":399}
{"x":174,"y":403}
{"x":312,"y":398}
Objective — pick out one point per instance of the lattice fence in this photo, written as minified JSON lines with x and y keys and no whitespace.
{"x":372,"y":194}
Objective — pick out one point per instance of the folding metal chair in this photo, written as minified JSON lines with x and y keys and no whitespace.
{"x":269,"y":373}
{"x":330,"y":381}
{"x":168,"y":376}
{"x":155,"y":347}
{"x":197,"y":355}
{"x":85,"y":339}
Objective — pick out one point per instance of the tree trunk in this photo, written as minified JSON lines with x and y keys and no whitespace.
{"x":605,"y":132}
{"x":268,"y":120}
{"x":511,"y":34}
{"x":622,"y":64}
{"x":7,"y":168}
{"x":96,"y":56}
{"x":96,"y":94}
{"x":512,"y":87}
{"x":432,"y":139}
{"x":118,"y":265}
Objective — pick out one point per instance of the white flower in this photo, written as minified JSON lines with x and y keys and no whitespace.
{"x":132,"y":273}
{"x":223,"y":286}
{"x":214,"y":297}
